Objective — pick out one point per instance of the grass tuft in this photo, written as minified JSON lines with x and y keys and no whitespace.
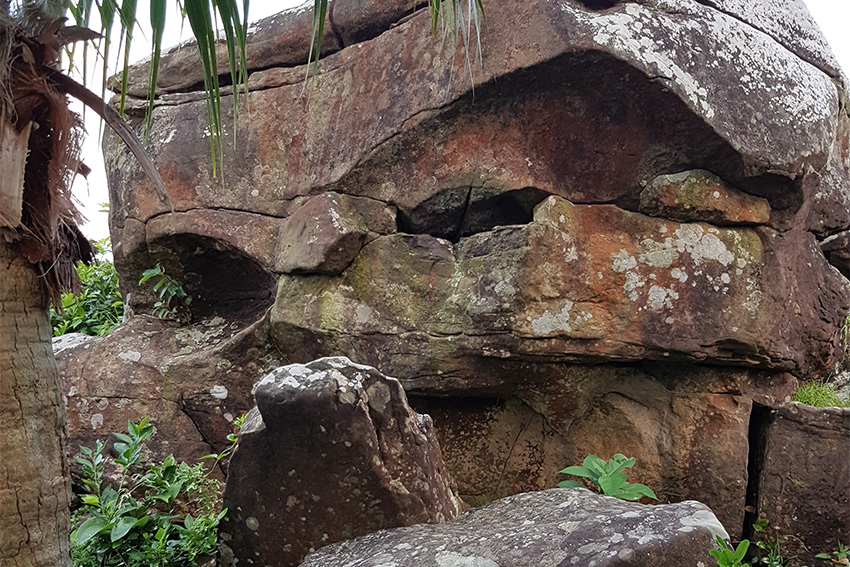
{"x":819,"y":395}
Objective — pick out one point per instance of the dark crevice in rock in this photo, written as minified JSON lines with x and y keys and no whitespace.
{"x":333,"y":27}
{"x":463,"y":211}
{"x":761,"y":417}
{"x":836,"y":249}
{"x":598,"y":4}
{"x":220,"y":279}
{"x":218,"y":209}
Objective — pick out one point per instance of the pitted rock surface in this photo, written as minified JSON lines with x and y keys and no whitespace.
{"x":191,"y":381}
{"x":558,"y":527}
{"x":694,"y":196}
{"x":332,"y":451}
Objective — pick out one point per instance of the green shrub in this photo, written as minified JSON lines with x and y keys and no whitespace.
{"x":137,"y":523}
{"x":98,"y":309}
{"x":819,"y":395}
{"x":608,"y":476}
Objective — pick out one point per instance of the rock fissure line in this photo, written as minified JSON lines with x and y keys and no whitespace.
{"x":713,"y":5}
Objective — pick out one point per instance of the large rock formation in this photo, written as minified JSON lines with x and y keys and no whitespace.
{"x":331,"y":452}
{"x":605,"y":239}
{"x":561,"y":527}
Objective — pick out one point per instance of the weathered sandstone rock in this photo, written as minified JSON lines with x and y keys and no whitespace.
{"x":332,"y":452}
{"x":700,"y":196}
{"x":328,"y":231}
{"x":687,"y":426}
{"x":560,"y":527}
{"x":804,"y":484}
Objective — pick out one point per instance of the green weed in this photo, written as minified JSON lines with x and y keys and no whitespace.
{"x":98,"y":308}
{"x":819,"y":395}
{"x":608,"y":476}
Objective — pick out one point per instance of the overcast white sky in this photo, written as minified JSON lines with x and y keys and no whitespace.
{"x":833,"y":16}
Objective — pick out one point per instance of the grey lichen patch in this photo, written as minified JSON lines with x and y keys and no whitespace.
{"x":553,"y":527}
{"x":550,"y":323}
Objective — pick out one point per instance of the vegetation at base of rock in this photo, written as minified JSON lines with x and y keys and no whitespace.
{"x":159,"y":515}
{"x":166,"y":288}
{"x":771,"y":550}
{"x":819,"y":395}
{"x":608,"y":476}
{"x":98,"y":308}
{"x":728,"y":557}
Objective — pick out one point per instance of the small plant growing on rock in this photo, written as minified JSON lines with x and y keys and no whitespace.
{"x":771,"y":552}
{"x":609,"y":477}
{"x":137,"y":523}
{"x":167,"y":289}
{"x":728,"y":557}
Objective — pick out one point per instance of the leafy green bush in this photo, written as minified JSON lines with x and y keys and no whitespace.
{"x":137,"y":524}
{"x":819,"y":395}
{"x":98,"y":309}
{"x":608,"y":476}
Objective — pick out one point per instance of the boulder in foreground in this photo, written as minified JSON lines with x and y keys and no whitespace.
{"x":560,"y":527}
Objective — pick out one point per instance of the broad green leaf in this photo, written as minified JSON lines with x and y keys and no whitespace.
{"x":618,"y":464}
{"x":89,"y":529}
{"x":610,"y":484}
{"x":120,"y":529}
{"x":594,"y":464}
{"x":90,"y":499}
{"x":123,"y":437}
{"x":580,"y":471}
{"x":741,"y":551}
{"x":570,"y":484}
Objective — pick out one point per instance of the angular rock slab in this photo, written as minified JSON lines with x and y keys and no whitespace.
{"x":699,"y":195}
{"x":804,"y":484}
{"x":332,"y":451}
{"x":557,"y":527}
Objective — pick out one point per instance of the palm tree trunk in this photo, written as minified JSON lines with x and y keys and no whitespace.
{"x":34,"y":484}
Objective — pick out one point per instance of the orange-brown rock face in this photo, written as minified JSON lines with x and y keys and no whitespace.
{"x":606,"y":239}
